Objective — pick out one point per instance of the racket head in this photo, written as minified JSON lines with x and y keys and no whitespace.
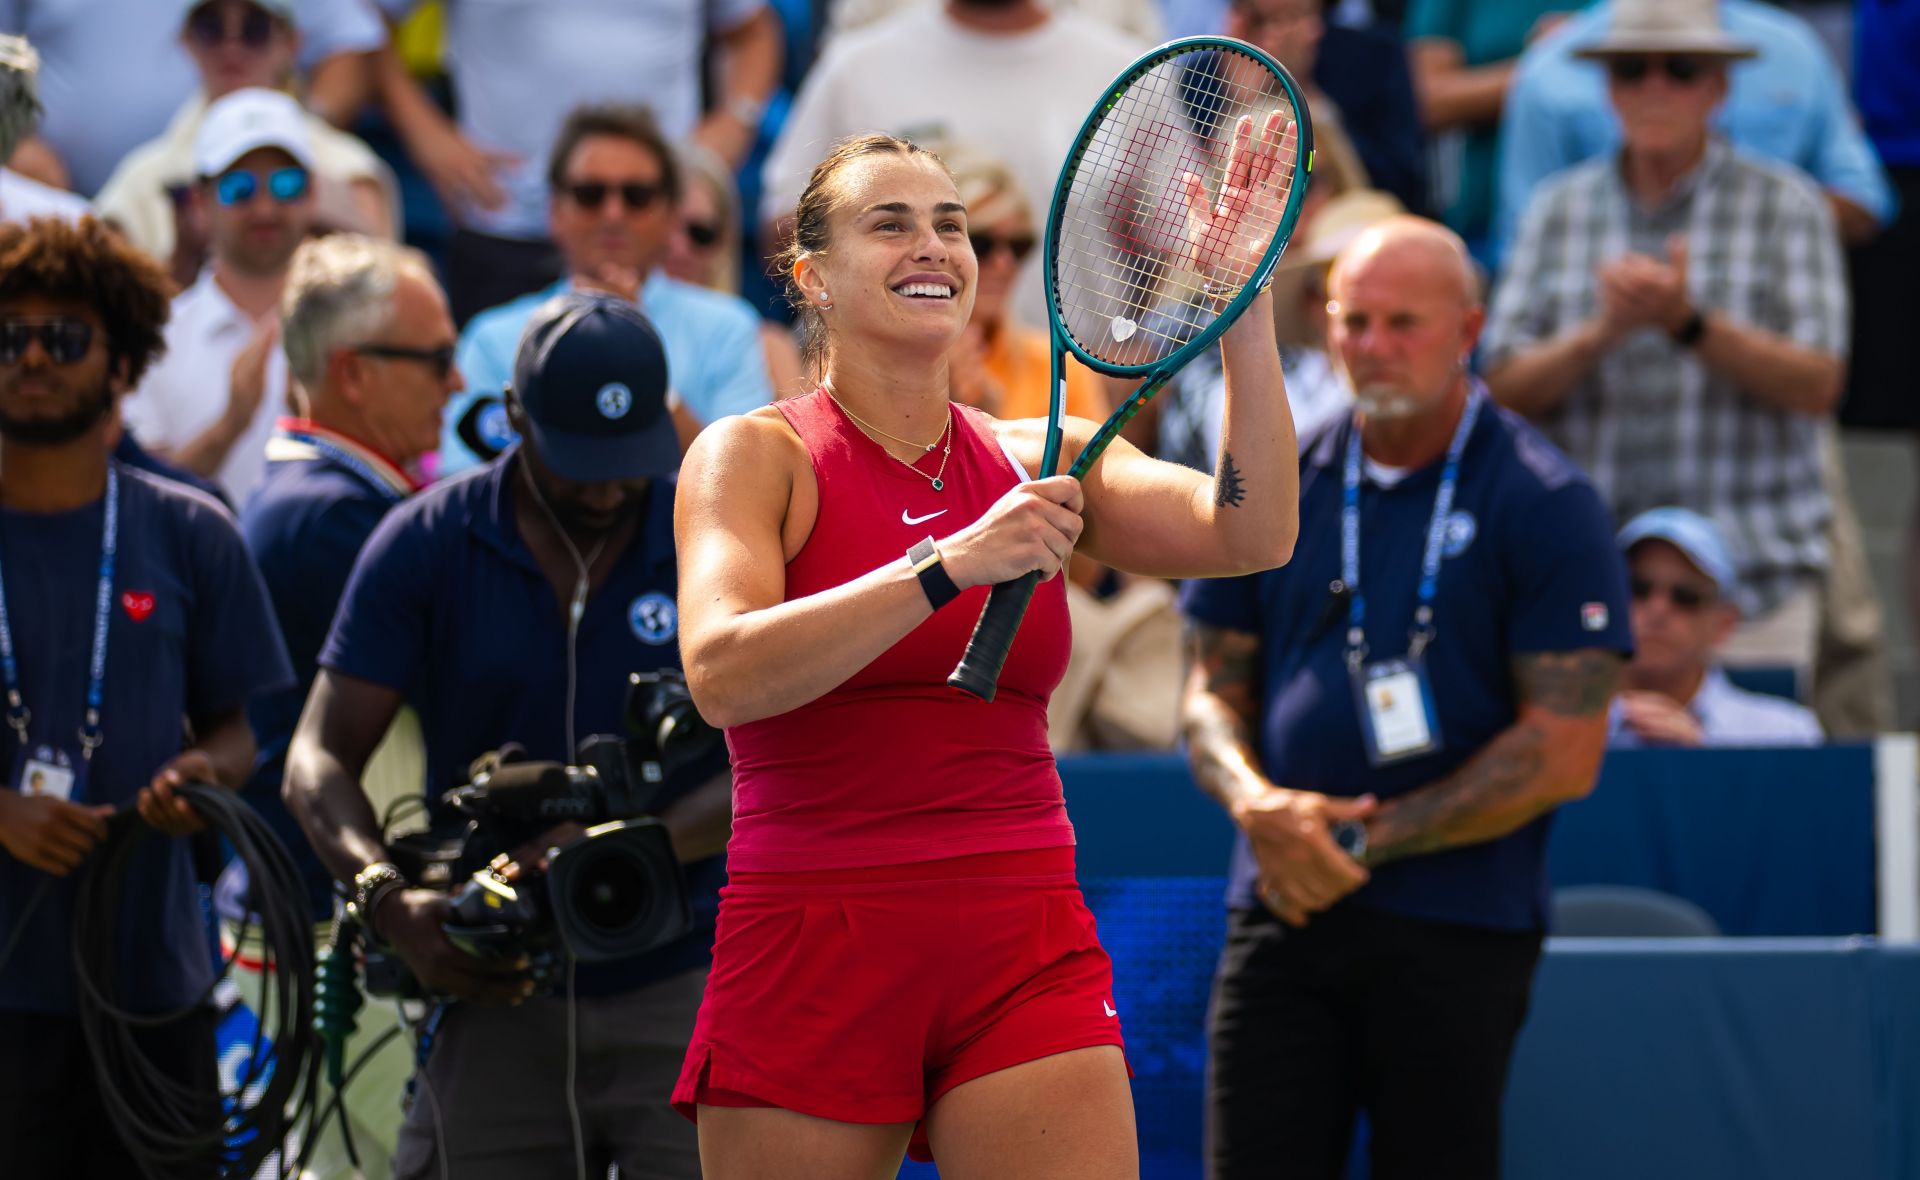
{"x":1122,"y":295}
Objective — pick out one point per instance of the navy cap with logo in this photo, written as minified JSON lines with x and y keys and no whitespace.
{"x":591,"y":376}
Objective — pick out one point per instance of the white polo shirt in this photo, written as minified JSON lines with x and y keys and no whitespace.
{"x":186,"y":391}
{"x":23,"y":198}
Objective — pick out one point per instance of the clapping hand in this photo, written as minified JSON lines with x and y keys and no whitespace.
{"x":1229,"y":235}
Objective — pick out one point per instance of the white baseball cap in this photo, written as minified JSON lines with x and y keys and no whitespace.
{"x":280,"y":8}
{"x":246,"y":120}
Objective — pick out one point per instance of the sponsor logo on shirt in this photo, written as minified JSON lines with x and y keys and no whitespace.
{"x":654,"y":619}
{"x":1593,"y":616}
{"x":137,"y":603}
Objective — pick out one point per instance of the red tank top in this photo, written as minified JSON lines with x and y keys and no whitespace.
{"x":893,"y":766}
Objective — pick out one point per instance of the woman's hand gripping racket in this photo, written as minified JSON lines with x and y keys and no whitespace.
{"x":1178,"y":197}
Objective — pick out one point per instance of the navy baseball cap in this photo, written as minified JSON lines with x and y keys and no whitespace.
{"x":591,"y":375}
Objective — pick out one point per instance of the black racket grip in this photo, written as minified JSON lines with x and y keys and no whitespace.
{"x":979,"y":670}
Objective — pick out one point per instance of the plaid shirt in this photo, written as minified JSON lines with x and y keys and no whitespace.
{"x":1652,"y":424}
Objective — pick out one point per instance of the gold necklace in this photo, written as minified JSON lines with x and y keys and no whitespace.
{"x":939,"y":483}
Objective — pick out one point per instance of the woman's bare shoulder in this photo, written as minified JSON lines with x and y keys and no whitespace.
{"x":1026,"y":440}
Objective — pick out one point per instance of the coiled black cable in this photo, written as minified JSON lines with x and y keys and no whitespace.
{"x":165,"y":1124}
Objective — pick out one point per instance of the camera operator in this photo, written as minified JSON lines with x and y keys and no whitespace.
{"x":152,"y":579}
{"x":509,"y":606}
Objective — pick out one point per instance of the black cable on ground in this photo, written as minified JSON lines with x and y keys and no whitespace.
{"x":165,"y":1124}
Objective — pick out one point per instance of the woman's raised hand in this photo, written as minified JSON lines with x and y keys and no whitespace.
{"x":1229,"y":234}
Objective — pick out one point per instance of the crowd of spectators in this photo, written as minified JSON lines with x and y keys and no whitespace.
{"x":1694,"y":226}
{"x":1691,"y":330}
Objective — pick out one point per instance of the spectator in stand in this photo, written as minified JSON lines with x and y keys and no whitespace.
{"x":1291,"y":30}
{"x":1675,"y":318}
{"x":615,"y":188}
{"x":1788,"y":104}
{"x":114,"y":72}
{"x":211,"y":402}
{"x":1886,"y":300}
{"x":1001,"y":365}
{"x":1463,"y":54}
{"x":705,"y":251}
{"x":238,"y":45}
{"x":22,"y":197}
{"x":1673,"y":693}
{"x":1137,"y":19}
{"x":1364,"y":70}
{"x":1008,"y":75}
{"x":520,"y":66}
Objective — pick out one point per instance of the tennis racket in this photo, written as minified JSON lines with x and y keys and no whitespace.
{"x":1178,"y":196}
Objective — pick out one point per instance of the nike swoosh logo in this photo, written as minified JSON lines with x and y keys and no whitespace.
{"x":1109,"y":1007}
{"x":905,"y":519}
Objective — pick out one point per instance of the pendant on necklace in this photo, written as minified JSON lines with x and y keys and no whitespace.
{"x":939,"y":486}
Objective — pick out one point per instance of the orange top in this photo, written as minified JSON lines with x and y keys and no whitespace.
{"x":1020,"y":360}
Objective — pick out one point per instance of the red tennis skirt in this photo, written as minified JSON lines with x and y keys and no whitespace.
{"x":864,"y":995}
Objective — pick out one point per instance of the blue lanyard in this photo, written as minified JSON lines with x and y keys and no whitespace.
{"x":18,"y":715}
{"x":1422,"y":632}
{"x":348,"y":460}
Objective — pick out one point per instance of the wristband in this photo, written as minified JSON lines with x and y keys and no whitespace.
{"x":934,"y":579}
{"x":371,"y":886}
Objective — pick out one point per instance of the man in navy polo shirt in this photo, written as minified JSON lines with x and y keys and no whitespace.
{"x":1390,"y":720}
{"x":369,"y":338}
{"x":509,"y":605}
{"x":134,"y":630}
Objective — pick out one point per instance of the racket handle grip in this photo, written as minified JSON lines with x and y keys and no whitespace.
{"x":979,"y":671}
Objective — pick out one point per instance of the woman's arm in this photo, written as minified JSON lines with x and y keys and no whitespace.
{"x":748,"y":653}
{"x":1161,"y":519}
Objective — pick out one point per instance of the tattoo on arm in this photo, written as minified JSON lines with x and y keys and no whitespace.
{"x":1528,"y":769}
{"x":1221,"y":708}
{"x":1229,"y":491}
{"x":1569,"y":683}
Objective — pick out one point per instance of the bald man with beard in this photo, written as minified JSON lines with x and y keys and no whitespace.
{"x":1390,"y":720}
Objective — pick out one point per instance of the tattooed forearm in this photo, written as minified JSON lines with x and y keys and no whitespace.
{"x":1229,"y":490}
{"x":1491,"y":795}
{"x":1570,"y":683}
{"x":1219,"y":710}
{"x":1547,"y":757}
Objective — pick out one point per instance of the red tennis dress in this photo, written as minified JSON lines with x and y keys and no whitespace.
{"x":901,"y":914}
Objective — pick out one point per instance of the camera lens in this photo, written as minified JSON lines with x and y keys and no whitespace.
{"x":610,"y":894}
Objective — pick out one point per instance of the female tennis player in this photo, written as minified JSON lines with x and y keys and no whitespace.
{"x":903,"y":959}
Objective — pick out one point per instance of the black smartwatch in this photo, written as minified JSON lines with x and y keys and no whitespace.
{"x":934,"y":579}
{"x":1688,"y":334}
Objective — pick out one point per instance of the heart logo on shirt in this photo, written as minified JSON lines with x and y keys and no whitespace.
{"x":137,"y":604}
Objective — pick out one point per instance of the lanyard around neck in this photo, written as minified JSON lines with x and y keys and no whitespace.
{"x":1422,"y":631}
{"x":18,"y":715}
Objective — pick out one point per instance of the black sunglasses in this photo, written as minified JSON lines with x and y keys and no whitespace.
{"x":636,"y":195}
{"x":1686,"y":598}
{"x":64,"y":340}
{"x":1019,"y":245}
{"x":209,"y":30}
{"x":704,"y":234}
{"x":1682,"y":70}
{"x":439,"y":359}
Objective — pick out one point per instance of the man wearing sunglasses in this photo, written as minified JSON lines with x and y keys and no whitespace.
{"x":210,"y":404}
{"x":152,"y":578}
{"x":237,"y":45}
{"x":1675,"y":318}
{"x":614,"y":186}
{"x":1685,"y":604}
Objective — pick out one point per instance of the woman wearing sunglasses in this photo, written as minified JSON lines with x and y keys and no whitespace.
{"x":999,"y":364}
{"x":705,"y":251}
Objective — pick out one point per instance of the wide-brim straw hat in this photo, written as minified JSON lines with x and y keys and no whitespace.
{"x":1690,"y":27}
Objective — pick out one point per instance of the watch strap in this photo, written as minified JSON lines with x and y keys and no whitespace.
{"x":935,"y":582}
{"x":1688,"y":334}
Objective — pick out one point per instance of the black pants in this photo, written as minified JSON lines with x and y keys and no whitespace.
{"x":52,"y":1123}
{"x":484,"y":271}
{"x":1412,"y":1021}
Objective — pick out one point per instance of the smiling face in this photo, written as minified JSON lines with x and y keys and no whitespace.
{"x":898,"y":270}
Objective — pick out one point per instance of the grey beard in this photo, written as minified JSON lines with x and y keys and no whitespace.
{"x":1380,"y":403}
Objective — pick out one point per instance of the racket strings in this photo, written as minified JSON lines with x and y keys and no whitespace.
{"x":1125,"y":284}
